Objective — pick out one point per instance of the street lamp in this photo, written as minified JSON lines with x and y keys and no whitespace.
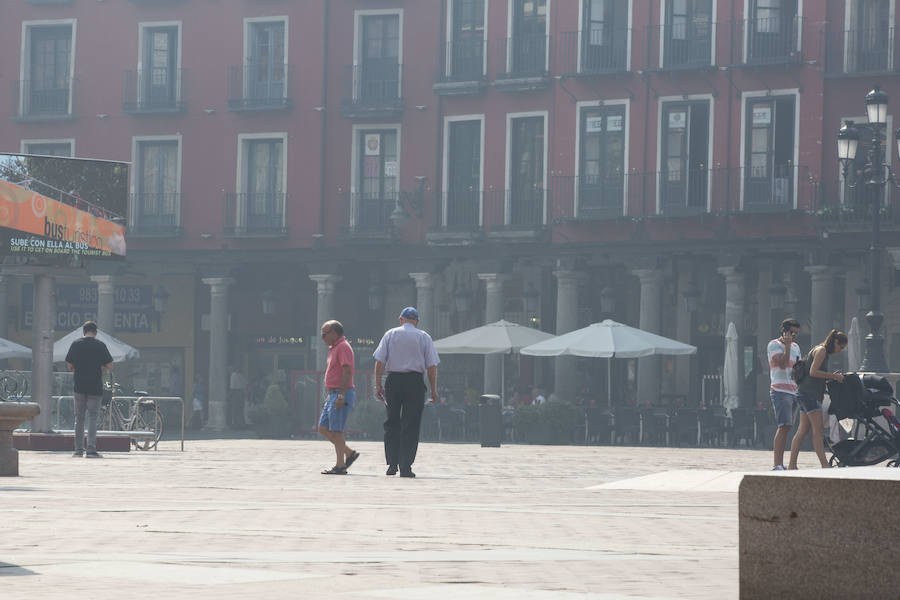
{"x":875,"y":174}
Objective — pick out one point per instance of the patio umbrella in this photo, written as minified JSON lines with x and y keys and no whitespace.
{"x":731,"y":377}
{"x":854,"y":347}
{"x":502,"y":337}
{"x":118,"y":349}
{"x":608,"y":339}
{"x":10,"y":349}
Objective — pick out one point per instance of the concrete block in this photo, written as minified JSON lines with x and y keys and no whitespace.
{"x":59,"y":442}
{"x":819,"y":534}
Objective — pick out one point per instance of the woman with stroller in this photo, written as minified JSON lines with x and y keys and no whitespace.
{"x":811,"y":391}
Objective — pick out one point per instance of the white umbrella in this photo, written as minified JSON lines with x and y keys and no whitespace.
{"x":118,"y":349}
{"x":608,"y":339}
{"x":502,"y":337}
{"x":10,"y":349}
{"x":731,"y":377}
{"x":854,"y":349}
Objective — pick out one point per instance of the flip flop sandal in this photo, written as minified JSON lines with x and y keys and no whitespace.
{"x":335,"y":470}
{"x":351,"y":459}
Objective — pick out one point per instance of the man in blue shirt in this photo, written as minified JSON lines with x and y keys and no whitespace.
{"x":406,"y":354}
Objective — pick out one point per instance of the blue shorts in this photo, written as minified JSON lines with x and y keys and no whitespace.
{"x":808,"y":404}
{"x":783,"y":403}
{"x":333,"y":417}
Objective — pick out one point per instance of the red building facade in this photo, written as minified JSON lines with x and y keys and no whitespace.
{"x":667,"y":163}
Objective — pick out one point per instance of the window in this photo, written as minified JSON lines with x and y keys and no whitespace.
{"x":49,"y":147}
{"x":464,"y":173}
{"x":378,"y":172}
{"x":379,"y":60}
{"x":467,"y":45}
{"x":773,"y":29}
{"x":158,"y":79}
{"x":157,"y":200}
{"x":688,"y":33}
{"x":258,"y":209}
{"x":769,"y":169}
{"x":266,"y":61}
{"x":601,"y":183}
{"x":605,"y":36}
{"x":47,"y":82}
{"x":684,"y":173}
{"x":526,"y":191}
{"x":868,"y":36}
{"x":528,"y":45}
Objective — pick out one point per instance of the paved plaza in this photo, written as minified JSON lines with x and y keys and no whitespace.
{"x":248,"y":518}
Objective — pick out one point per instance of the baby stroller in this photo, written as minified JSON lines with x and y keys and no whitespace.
{"x":876,"y":436}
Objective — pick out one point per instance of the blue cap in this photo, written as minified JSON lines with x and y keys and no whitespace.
{"x":410,"y":313}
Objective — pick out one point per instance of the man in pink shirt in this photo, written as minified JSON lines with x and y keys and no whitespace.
{"x":339,"y":396}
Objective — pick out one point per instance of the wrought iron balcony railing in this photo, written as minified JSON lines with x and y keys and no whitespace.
{"x":259,"y":87}
{"x":524,"y":56}
{"x":593,"y":52}
{"x":373,"y":87}
{"x":154,"y":91}
{"x":156,"y":215}
{"x":768,"y":41}
{"x":257,"y":214}
{"x":683,"y":45}
{"x":464,"y":60}
{"x":860,"y":51}
{"x":42,"y":99}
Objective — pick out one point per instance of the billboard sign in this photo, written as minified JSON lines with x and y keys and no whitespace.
{"x":62,"y":207}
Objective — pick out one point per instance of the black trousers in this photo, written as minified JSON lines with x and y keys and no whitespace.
{"x":404,"y":394}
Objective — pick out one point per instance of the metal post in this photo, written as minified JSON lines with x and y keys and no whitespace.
{"x":874,"y":360}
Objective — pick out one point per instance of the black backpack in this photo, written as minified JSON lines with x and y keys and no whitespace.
{"x":800,"y":369}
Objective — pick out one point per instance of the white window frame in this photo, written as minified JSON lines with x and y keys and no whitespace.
{"x":25,"y":60}
{"x":795,"y":92}
{"x":445,"y":178}
{"x":136,"y":142}
{"x":358,"y":16}
{"x":888,"y":159}
{"x":748,"y":17}
{"x":354,"y":159}
{"x":510,"y":19}
{"x":662,"y":32}
{"x":142,"y":27}
{"x":710,"y":150}
{"x":240,"y":178}
{"x":581,"y":33}
{"x":851,"y":7}
{"x":23,"y":144}
{"x":448,"y":59}
{"x":248,"y":25}
{"x":579,"y":109}
{"x":510,"y":117}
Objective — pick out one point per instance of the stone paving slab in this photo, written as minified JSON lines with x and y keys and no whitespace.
{"x":254,"y":518}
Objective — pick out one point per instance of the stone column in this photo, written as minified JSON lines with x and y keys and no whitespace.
{"x":425,"y":300}
{"x":106,"y":320}
{"x":648,"y":387}
{"x":218,"y":351}
{"x":566,"y":321}
{"x":325,"y":285}
{"x":493,"y":312}
{"x":766,"y":329}
{"x":684,"y":328}
{"x":42,"y":350}
{"x":820,"y":304}
{"x":734,"y":309}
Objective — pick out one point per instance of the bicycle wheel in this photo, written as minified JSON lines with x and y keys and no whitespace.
{"x":148,"y":419}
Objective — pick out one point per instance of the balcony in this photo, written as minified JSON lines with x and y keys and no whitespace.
{"x":373,"y":90}
{"x":259,"y":87}
{"x":687,"y":45}
{"x":43,"y":101}
{"x":525,"y":58}
{"x":860,"y":51}
{"x":593,"y":197}
{"x":516,"y":214}
{"x":841,"y":207}
{"x":154,"y":91}
{"x":259,"y":214}
{"x":589,"y":53}
{"x":155,"y":215}
{"x":768,"y":41}
{"x":460,"y":212}
{"x":368,"y":216}
{"x":463,"y":68}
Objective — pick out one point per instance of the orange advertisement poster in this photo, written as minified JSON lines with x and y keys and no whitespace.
{"x":63,"y":229}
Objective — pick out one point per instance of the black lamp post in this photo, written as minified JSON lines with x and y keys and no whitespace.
{"x":875,"y":174}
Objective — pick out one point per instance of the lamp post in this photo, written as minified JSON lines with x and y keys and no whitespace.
{"x":875,"y":175}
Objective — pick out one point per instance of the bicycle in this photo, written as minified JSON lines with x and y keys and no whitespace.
{"x":143,"y":415}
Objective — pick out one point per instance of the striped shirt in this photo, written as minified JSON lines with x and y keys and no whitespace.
{"x":781,"y":378}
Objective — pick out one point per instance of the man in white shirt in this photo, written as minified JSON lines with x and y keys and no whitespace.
{"x":783,"y":352}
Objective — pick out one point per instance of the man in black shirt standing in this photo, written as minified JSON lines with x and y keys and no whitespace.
{"x":86,"y":358}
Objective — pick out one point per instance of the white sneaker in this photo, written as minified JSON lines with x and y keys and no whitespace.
{"x":779,"y":468}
